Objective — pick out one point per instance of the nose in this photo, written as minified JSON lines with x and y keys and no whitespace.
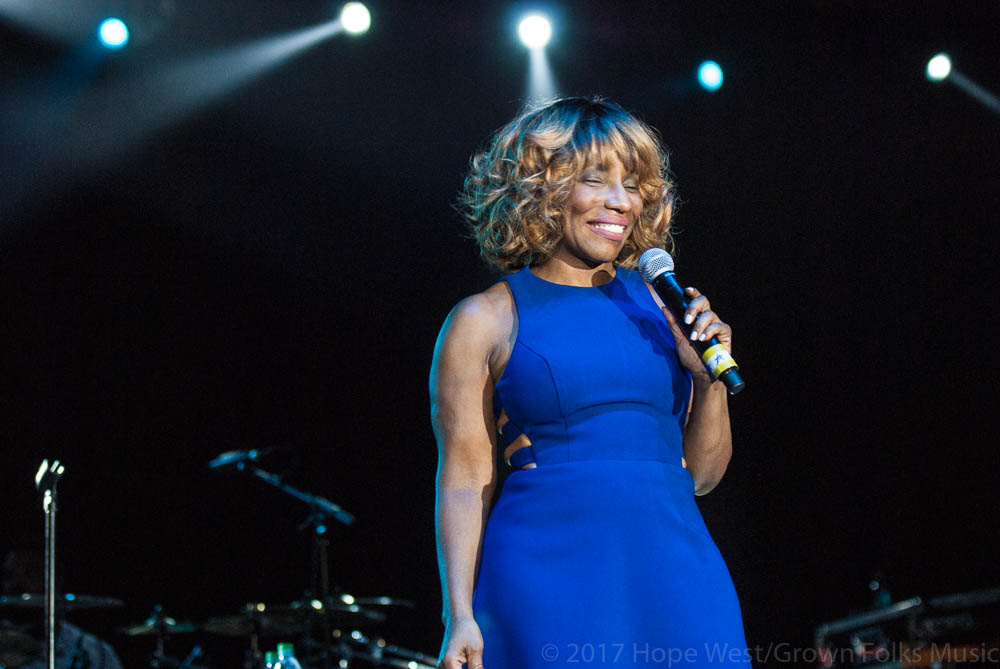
{"x":618,"y":199}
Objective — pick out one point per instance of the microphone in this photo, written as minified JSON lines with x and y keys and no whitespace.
{"x":239,"y":459}
{"x":657,"y":268}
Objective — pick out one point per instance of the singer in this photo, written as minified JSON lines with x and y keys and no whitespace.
{"x":594,"y":552}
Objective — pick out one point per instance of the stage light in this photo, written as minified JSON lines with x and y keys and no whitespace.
{"x":535,"y":31}
{"x":939,"y":67}
{"x":113,"y":33}
{"x":710,"y":75}
{"x":355,"y":18}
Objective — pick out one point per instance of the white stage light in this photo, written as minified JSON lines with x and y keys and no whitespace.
{"x":535,"y":31}
{"x":355,"y":18}
{"x":939,"y":67}
{"x":113,"y":33}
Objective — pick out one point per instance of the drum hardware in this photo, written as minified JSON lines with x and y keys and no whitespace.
{"x":162,"y":626}
{"x":159,"y":625}
{"x":287,"y":620}
{"x":354,"y":645}
{"x":378,"y":648}
{"x":945,"y":631}
{"x":319,"y":618}
{"x":377,"y":601}
{"x":321,"y":512}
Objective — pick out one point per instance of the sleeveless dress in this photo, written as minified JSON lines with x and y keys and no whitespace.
{"x":599,"y":556}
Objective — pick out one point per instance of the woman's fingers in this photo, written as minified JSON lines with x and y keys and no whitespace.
{"x":702,"y":321}
{"x":716,"y":329}
{"x":697,"y":304}
{"x":468,"y":655}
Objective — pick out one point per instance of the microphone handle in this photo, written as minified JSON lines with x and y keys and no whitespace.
{"x":717,"y":359}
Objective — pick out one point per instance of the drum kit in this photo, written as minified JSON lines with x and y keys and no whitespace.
{"x":326,"y":633}
{"x":325,"y":623}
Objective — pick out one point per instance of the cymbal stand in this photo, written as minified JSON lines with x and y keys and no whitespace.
{"x":316,"y":522}
{"x":45,"y":481}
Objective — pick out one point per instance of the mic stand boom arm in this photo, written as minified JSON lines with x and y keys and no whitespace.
{"x":318,"y":504}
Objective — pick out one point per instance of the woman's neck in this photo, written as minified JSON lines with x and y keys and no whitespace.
{"x":557,"y":270}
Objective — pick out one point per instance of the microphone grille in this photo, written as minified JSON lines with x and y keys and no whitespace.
{"x":654,"y":262}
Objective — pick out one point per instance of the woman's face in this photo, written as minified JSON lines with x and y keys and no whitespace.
{"x":600,"y":213}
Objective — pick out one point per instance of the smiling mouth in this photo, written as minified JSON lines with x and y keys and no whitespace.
{"x":610,"y":227}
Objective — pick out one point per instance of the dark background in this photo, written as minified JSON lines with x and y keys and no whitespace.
{"x":271,"y":269}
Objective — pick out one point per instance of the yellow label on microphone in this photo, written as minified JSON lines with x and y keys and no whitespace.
{"x":718,"y":360}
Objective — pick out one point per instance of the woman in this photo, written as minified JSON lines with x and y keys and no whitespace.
{"x":594,"y":552}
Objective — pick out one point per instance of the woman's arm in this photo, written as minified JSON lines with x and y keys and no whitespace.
{"x":461,"y":389}
{"x":708,"y":438}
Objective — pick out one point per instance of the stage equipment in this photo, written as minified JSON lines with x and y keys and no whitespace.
{"x":113,"y":33}
{"x":355,"y":18}
{"x":46,"y":480}
{"x":710,"y":75}
{"x":161,"y":627}
{"x":535,"y":31}
{"x":939,"y":67}
{"x":64,"y":604}
{"x":951,"y":631}
{"x":289,"y":620}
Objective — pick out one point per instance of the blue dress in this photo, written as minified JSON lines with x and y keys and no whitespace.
{"x":599,"y":556}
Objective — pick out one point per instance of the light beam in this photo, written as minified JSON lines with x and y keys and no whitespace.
{"x":939,"y":69}
{"x":541,"y":82}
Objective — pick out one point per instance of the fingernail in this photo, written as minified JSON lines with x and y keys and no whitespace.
{"x":694,"y":335}
{"x":702,"y":337}
{"x":689,"y":319}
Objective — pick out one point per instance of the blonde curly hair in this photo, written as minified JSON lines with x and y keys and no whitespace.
{"x":514,"y":195}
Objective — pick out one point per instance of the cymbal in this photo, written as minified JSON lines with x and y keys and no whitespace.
{"x":288,"y":619}
{"x":151,"y":626}
{"x":67,"y":602}
{"x":381,"y":652}
{"x":377,"y":601}
{"x":373,"y":652}
{"x":405,"y":664}
{"x":242,"y":624}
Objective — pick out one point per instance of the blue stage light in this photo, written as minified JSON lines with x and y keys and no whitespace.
{"x":710,"y":75}
{"x":113,"y":33}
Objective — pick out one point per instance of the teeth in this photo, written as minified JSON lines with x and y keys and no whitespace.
{"x":610,"y":227}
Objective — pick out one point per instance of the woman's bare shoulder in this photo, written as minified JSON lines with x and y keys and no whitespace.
{"x":489,"y":313}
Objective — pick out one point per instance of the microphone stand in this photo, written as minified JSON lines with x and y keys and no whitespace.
{"x":321,"y":511}
{"x":45,"y":480}
{"x":319,"y":504}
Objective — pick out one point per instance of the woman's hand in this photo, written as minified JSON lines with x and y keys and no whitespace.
{"x":463,"y":643}
{"x":704,"y":324}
